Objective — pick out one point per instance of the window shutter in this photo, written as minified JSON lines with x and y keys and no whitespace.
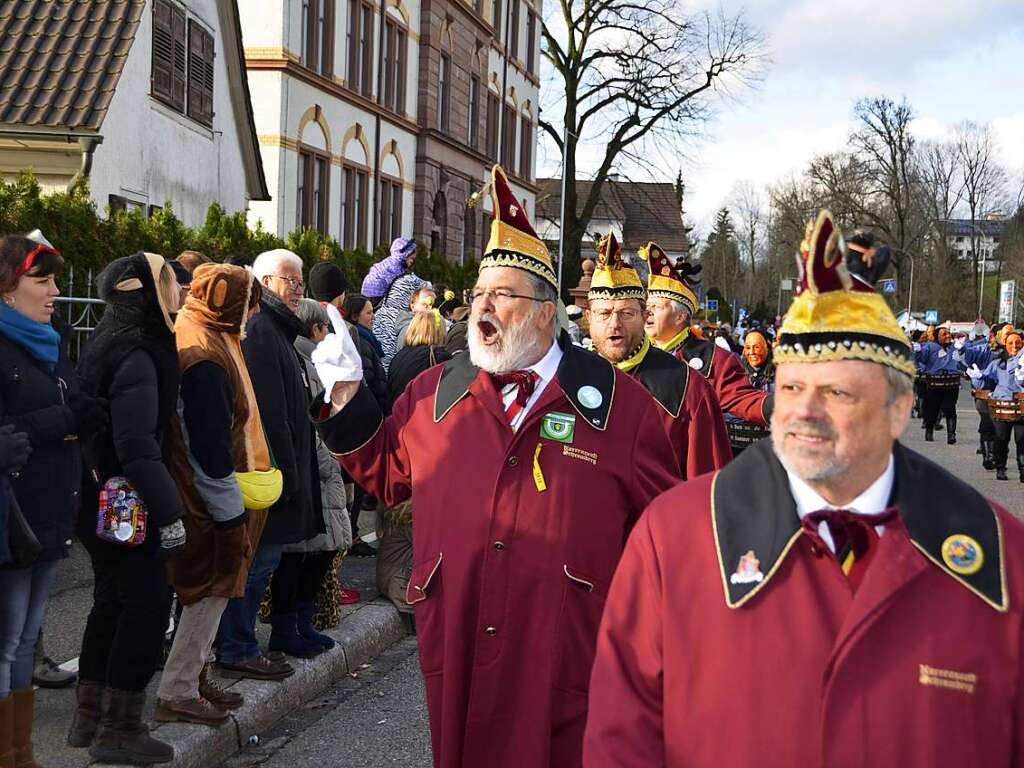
{"x":163,"y":51}
{"x":200,"y":74}
{"x":178,"y":33}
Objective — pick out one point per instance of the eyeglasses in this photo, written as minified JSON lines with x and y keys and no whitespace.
{"x":623,"y":315}
{"x":293,"y":283}
{"x":497,"y":296}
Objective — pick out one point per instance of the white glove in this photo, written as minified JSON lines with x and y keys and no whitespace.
{"x":1018,"y":373}
{"x":916,"y":346}
{"x":336,"y":357}
{"x":722,"y":342}
{"x":975,"y":373}
{"x":959,"y":343}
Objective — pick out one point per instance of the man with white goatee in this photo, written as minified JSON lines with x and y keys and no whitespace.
{"x":528,"y":461}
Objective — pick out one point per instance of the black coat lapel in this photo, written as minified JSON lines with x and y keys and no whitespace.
{"x":665,"y":378}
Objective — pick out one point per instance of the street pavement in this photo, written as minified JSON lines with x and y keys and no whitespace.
{"x":378,"y":717}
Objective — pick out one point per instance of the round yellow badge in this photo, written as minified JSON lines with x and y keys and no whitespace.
{"x":962,"y":554}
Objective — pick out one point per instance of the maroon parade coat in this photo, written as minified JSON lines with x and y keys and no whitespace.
{"x":722,"y":368}
{"x":515,"y":540}
{"x":731,"y":639}
{"x":693,"y":418}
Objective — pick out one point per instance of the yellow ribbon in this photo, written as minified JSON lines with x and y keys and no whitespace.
{"x":675,"y":341}
{"x":538,"y":475}
{"x":629,"y":364}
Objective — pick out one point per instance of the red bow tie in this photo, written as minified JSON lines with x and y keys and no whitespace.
{"x":525,"y":381}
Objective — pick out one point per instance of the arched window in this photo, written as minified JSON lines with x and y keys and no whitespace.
{"x":355,"y":188}
{"x":314,"y":175}
{"x":391,"y":191}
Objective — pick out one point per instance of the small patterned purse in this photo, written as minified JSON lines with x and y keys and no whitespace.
{"x":122,"y":517}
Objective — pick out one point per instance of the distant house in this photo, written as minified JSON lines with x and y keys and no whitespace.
{"x":637,"y":212}
{"x":147,"y":99}
{"x":961,"y":234}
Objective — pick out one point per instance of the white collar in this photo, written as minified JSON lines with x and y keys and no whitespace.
{"x":547,"y":366}
{"x":872,"y":501}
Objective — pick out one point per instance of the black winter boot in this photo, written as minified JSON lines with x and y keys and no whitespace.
{"x":122,"y":736}
{"x":87,"y":716}
{"x":1020,"y":466}
{"x":308,"y":630}
{"x":987,"y":461}
{"x":951,"y":434}
{"x":1001,"y":473}
{"x":929,"y":437}
{"x":285,"y":637}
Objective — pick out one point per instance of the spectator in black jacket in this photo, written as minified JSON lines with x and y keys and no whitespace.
{"x":423,"y":349}
{"x":358,"y":310}
{"x":282,"y":391}
{"x":132,"y":361}
{"x":43,"y":412}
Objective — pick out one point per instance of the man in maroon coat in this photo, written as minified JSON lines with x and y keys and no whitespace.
{"x":689,"y":408}
{"x":528,"y":461}
{"x":671,"y":303}
{"x":830,"y":598}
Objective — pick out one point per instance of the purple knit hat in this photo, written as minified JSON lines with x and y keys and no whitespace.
{"x":384,"y":272}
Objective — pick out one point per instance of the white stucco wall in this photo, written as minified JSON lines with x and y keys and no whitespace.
{"x":152,"y":155}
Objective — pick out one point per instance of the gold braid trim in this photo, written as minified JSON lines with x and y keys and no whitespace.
{"x":633,"y":361}
{"x":871,"y":352}
{"x":617,"y":292}
{"x":519,"y":261}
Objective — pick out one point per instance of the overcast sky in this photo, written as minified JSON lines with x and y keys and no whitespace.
{"x":953,"y":60}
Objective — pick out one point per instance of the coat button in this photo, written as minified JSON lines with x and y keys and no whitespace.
{"x":492,"y":631}
{"x":499,"y":545}
{"x":513,"y":461}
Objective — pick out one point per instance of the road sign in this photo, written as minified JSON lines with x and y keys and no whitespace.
{"x":931,"y":316}
{"x":889,"y":285}
{"x":786,"y":284}
{"x":1007,"y":300}
{"x":712,"y":305}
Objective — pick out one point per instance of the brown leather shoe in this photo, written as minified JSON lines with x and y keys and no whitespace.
{"x":215,"y":693}
{"x":198,"y":711}
{"x":257,"y":668}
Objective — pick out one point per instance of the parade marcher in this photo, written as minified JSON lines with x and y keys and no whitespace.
{"x":44,"y":414}
{"x":1002,"y":379}
{"x":132,"y":361}
{"x":760,"y":369}
{"x":382,"y":274}
{"x":550,"y":455}
{"x":617,"y":308}
{"x":980,"y":354}
{"x":671,"y":304}
{"x":940,"y":367}
{"x":278,"y":379}
{"x":859,"y":608}
{"x":219,"y":454}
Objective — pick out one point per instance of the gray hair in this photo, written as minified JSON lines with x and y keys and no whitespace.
{"x":545,"y":291}
{"x":311,"y":313}
{"x":268,"y":263}
{"x":899,"y":383}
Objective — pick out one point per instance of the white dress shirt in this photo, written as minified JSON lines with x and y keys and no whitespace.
{"x":873,"y":501}
{"x":545,"y":369}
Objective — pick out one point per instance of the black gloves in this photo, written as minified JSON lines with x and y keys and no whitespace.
{"x":90,"y":414}
{"x":172,"y":539}
{"x":14,"y":449}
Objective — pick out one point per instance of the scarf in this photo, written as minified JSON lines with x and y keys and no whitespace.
{"x":636,"y":357}
{"x":675,"y":341}
{"x":39,"y":339}
{"x":367,"y":334}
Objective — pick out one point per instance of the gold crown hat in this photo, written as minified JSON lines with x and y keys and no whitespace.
{"x":613,"y":278}
{"x":513,"y":241}
{"x":668,"y":281}
{"x":837,"y":315}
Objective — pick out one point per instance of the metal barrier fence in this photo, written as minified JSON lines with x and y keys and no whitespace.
{"x":81,"y":313}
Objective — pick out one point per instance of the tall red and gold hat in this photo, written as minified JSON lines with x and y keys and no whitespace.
{"x":513,"y":242}
{"x":837,"y":315}
{"x":668,"y":281}
{"x":613,"y":278}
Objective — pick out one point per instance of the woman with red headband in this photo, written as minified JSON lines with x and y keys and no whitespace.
{"x":39,"y":396}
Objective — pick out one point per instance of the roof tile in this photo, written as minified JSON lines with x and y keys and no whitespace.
{"x":60,"y":59}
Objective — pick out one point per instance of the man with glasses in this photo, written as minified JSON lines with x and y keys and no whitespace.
{"x":528,"y":461}
{"x":279,"y":382}
{"x":616,"y":314}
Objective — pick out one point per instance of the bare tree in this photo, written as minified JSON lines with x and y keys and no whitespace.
{"x":750,"y":217}
{"x":984,"y":181}
{"x":635,"y":74}
{"x":940,"y":272}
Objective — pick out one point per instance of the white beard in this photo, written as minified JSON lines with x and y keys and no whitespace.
{"x":516,"y":348}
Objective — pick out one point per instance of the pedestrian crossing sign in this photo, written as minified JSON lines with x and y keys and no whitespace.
{"x":558,"y":426}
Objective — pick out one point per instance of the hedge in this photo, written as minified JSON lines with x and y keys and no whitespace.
{"x":88,"y":241}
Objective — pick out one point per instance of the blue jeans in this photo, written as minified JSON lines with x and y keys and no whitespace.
{"x":23,"y":596}
{"x":236,"y":637}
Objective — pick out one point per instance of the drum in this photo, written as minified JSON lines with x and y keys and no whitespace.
{"x":943,"y":381}
{"x":981,"y":394}
{"x":1005,"y":410}
{"x":743,"y":434}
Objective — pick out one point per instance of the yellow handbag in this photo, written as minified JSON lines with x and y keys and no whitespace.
{"x":261,"y":488}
